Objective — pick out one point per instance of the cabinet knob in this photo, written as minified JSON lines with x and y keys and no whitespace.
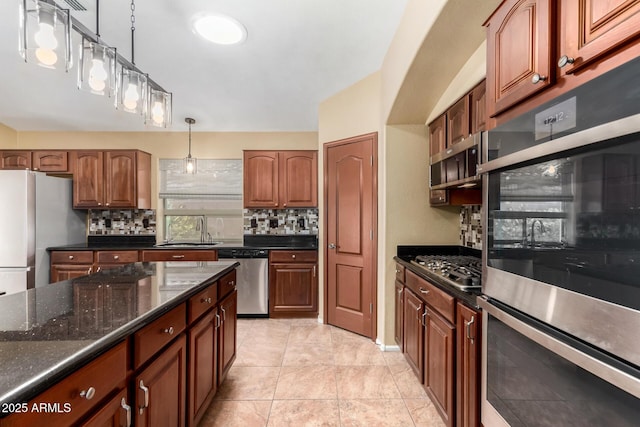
{"x":70,"y":256}
{"x":168,"y":330}
{"x":88,"y":393}
{"x":564,"y":60}
{"x":206,"y":300}
{"x":537,"y":78}
{"x":293,"y":256}
{"x":99,"y":204}
{"x":232,"y":283}
{"x":106,"y":204}
{"x":116,"y":257}
{"x":332,"y":245}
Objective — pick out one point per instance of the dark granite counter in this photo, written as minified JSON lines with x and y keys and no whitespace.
{"x":48,"y":332}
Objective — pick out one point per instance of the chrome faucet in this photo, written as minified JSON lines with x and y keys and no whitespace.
{"x":533,"y":230}
{"x":200,"y":226}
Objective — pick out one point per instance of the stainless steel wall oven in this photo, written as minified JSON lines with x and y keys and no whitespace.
{"x":561,"y":259}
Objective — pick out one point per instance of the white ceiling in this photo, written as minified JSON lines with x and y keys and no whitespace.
{"x":297,"y":53}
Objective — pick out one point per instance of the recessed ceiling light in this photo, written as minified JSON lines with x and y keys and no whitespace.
{"x":220,"y":29}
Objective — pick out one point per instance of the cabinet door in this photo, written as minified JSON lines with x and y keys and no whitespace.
{"x":468,"y":343}
{"x":120,"y":179}
{"x":438,"y":135}
{"x":438,"y":197}
{"x":227,"y":334}
{"x":439,"y":370}
{"x":115,"y":413}
{"x":88,"y":179}
{"x":50,"y":161}
{"x":14,"y":159}
{"x":293,"y":289}
{"x":60,"y":272}
{"x":298,"y":179}
{"x":593,"y":28}
{"x":160,"y":389}
{"x":519,"y":46}
{"x":203,"y":381}
{"x":413,"y":332}
{"x":479,"y":107}
{"x":261,"y":180}
{"x":399,"y":324}
{"x":458,"y":121}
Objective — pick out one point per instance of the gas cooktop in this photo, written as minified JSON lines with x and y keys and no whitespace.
{"x":460,"y":271}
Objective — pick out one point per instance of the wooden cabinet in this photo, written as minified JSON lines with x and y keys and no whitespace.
{"x":203,"y":374}
{"x":111,"y":179}
{"x":227,"y":334}
{"x":458,"y":121}
{"x":468,"y":357}
{"x":117,"y":412}
{"x":280,"y":179}
{"x":439,"y":363}
{"x":293,"y":283}
{"x":178,"y":255}
{"x":414,"y":332}
{"x":107,"y":259}
{"x":478,"y":107}
{"x":438,"y":135}
{"x":39,"y":160}
{"x":66,"y":265}
{"x":15,"y":159}
{"x":161,"y":388}
{"x":152,"y":338}
{"x":399,"y":305}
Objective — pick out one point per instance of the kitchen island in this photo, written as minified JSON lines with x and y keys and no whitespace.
{"x":122,"y":321}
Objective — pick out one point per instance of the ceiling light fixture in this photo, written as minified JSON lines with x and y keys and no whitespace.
{"x":220,"y":29}
{"x":190,"y":163}
{"x":97,"y":63}
{"x":45,"y":34}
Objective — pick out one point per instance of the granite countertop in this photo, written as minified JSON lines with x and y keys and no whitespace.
{"x":47,"y":333}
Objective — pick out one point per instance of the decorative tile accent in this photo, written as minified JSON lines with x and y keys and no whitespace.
{"x":471,"y":227}
{"x":281,"y":221}
{"x":126,"y":221}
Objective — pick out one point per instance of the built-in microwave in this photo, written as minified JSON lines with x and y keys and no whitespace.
{"x":561,"y":197}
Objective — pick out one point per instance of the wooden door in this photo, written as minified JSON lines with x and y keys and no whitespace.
{"x":227,"y":333}
{"x":593,"y":28}
{"x":413,"y":332}
{"x":438,"y":135}
{"x":50,"y":161}
{"x":88,"y":179}
{"x":14,"y":159}
{"x":261,"y":179}
{"x":120,"y":179}
{"x":293,"y":289}
{"x":298,"y":179}
{"x":439,"y":358}
{"x":468,"y":343}
{"x":351,"y":212}
{"x":458,"y":121}
{"x":160,"y":389}
{"x":479,"y":107}
{"x":519,"y":46}
{"x":203,"y":381}
{"x":399,"y":316}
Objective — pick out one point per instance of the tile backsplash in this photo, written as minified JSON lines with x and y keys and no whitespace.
{"x":125,"y":222}
{"x":280,"y":221}
{"x":471,"y":227}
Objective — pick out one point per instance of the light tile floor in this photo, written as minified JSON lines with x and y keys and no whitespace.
{"x":301,"y":373}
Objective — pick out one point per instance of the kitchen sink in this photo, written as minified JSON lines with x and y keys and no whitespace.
{"x":186,"y":245}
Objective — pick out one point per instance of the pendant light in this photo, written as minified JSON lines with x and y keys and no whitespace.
{"x":132,"y":84}
{"x":45,"y":34}
{"x":96,"y":63}
{"x":159,"y":108}
{"x":190,"y":163}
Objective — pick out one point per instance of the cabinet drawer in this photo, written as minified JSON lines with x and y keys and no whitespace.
{"x":159,"y":333}
{"x":83,"y":391}
{"x":202,"y":302}
{"x":177,"y":255}
{"x":293,"y":256}
{"x":72,"y":257}
{"x":116,"y":257}
{"x":226,"y":284}
{"x":400,"y":273}
{"x":436,"y":298}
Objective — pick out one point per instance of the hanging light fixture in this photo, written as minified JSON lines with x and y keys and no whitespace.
{"x":45,"y":34}
{"x":132,"y":84}
{"x":159,"y":108}
{"x":97,"y":63}
{"x":190,"y":163}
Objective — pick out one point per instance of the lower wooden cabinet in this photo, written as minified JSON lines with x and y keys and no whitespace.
{"x":178,"y":255}
{"x":399,"y":315}
{"x":203,"y":373}
{"x":414,"y":332}
{"x":468,"y":358}
{"x":160,"y":389}
{"x":439,"y":360}
{"x":227,"y":334}
{"x":293,"y":284}
{"x":117,"y":412}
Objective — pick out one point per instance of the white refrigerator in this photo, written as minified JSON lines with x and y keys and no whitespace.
{"x":35,"y":213}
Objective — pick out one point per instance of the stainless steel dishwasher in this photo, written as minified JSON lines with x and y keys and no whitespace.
{"x":252,"y":280}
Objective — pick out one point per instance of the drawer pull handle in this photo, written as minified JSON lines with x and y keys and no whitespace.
{"x":424,"y":291}
{"x":206,"y":300}
{"x":423,"y":317}
{"x":89,"y":270}
{"x":98,"y":269}
{"x":217,"y":321}
{"x":177,"y":256}
{"x":468,"y":328}
{"x":224,"y":314}
{"x":116,"y":257}
{"x":146,"y":397}
{"x":314,"y":271}
{"x":127,"y":409}
{"x":88,"y":393}
{"x":232,"y":282}
{"x":70,"y":256}
{"x":168,"y":330}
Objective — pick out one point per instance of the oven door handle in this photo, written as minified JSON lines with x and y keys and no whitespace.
{"x":611,"y":374}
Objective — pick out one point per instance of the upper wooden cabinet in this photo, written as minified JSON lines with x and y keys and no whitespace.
{"x":15,"y":159}
{"x":458,"y":123}
{"x":478,"y":106}
{"x":280,"y":179}
{"x":111,"y":179}
{"x":438,"y":135}
{"x":44,"y":161}
{"x":533,"y":45}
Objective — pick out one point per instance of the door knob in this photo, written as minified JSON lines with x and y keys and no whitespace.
{"x":332,"y":245}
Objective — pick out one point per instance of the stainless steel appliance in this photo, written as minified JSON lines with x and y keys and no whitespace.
{"x":252,"y":277}
{"x":35,"y":213}
{"x":460,"y":271}
{"x":561,"y":256}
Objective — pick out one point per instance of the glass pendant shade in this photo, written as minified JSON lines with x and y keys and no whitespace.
{"x":132,"y":91}
{"x":97,"y":68}
{"x":159,"y":108}
{"x":45,"y":34}
{"x":190,"y":164}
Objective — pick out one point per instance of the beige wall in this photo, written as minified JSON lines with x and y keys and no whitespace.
{"x":8,"y":137}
